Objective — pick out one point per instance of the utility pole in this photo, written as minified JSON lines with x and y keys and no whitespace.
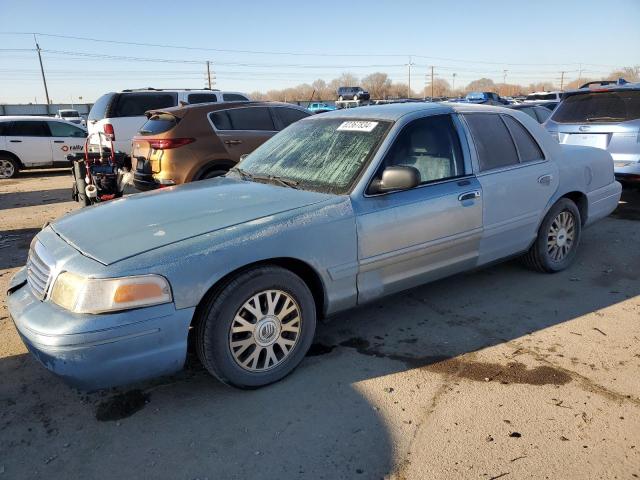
{"x":562,"y":80}
{"x":504,"y":77}
{"x":44,"y":80}
{"x":409,"y":88}
{"x":453,"y":84}
{"x":209,"y":74}
{"x":432,"y":83}
{"x":580,"y":75}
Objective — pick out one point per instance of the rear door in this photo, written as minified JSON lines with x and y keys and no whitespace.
{"x":30,"y":141}
{"x":517,"y":183}
{"x":65,"y":139}
{"x":242,"y":130}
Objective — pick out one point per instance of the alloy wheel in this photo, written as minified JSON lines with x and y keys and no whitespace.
{"x":265,"y":330}
{"x":7,"y":168}
{"x":561,"y":236}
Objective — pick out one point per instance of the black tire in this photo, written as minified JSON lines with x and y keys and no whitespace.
{"x":79,"y":172}
{"x":216,"y":172}
{"x":538,"y":257}
{"x":14,"y":163}
{"x":212,"y":335}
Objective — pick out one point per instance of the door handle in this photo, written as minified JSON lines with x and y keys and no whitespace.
{"x":233,"y":142}
{"x":469,"y":195}
{"x":545,"y":179}
{"x":58,"y":141}
{"x":15,"y":141}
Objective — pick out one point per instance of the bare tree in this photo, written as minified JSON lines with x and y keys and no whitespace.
{"x":481,"y":85}
{"x":378,"y":85}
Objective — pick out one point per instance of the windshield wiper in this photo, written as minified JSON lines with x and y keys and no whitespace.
{"x":243,"y":173}
{"x":595,"y":119}
{"x":285,"y":182}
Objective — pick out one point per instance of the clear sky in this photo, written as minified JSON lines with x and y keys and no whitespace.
{"x":533,"y":40}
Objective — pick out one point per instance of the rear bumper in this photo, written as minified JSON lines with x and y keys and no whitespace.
{"x":602,"y":202}
{"x":144,"y":182}
{"x":152,"y":342}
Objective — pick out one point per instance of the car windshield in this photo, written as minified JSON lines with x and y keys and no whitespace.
{"x":320,"y":154}
{"x":611,"y":106}
{"x":69,"y":113}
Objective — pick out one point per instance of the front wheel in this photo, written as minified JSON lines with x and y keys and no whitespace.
{"x":558,"y":238}
{"x":258,"y":328}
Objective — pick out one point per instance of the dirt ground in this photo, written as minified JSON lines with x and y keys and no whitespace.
{"x":501,"y":373}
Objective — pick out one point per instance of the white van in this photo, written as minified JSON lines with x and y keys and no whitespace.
{"x":37,"y":142}
{"x":121,"y":115}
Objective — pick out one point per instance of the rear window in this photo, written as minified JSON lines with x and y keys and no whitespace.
{"x":601,"y":107}
{"x":527,"y":146}
{"x":135,"y":104}
{"x":493,"y":142}
{"x":234,"y":97}
{"x":158,"y":124}
{"x":542,"y":96}
{"x":99,"y":109}
{"x":254,"y":118}
{"x":202,"y":98}
{"x":69,"y":113}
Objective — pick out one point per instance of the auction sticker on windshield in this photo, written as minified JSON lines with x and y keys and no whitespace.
{"x":357,"y":126}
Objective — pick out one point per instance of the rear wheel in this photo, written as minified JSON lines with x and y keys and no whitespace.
{"x":216,"y":172}
{"x":558,"y":238}
{"x":258,"y":328}
{"x":9,"y":167}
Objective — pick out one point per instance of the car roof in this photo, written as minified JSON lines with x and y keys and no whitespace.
{"x":29,"y":117}
{"x":395,"y":111}
{"x":605,"y":88}
{"x":180,"y":111}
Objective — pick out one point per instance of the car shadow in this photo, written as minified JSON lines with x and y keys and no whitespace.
{"x":629,"y":206}
{"x":14,"y":246}
{"x":35,"y":197}
{"x":318,"y":422}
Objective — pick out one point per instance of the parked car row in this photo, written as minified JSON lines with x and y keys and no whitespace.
{"x":332,"y":212}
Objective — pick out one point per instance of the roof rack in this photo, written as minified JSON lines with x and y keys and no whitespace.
{"x":147,"y":89}
{"x":602,"y":83}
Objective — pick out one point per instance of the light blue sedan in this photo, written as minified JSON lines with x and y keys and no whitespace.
{"x":332,"y":212}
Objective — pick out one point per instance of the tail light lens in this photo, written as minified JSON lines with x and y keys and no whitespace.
{"x":108,"y":129}
{"x":169,"y":143}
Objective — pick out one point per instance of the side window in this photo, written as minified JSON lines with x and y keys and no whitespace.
{"x":493,"y":141}
{"x":4,"y":128}
{"x":62,"y":129}
{"x":135,"y":104}
{"x":527,"y":146}
{"x":220,"y":120}
{"x":432,"y":146}
{"x":234,"y":97}
{"x":543,"y":114}
{"x":254,"y":118}
{"x":530,"y":112}
{"x":29,"y":128}
{"x":286,"y":116}
{"x":202,"y":98}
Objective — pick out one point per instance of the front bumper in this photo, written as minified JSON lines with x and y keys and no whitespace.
{"x":130,"y":346}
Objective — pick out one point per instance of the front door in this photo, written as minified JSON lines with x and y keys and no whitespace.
{"x":29,"y":140}
{"x":406,"y":238}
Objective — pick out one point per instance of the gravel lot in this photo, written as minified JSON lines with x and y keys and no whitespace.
{"x":501,"y":373}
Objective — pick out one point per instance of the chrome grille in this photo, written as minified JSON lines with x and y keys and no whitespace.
{"x":38,"y":272}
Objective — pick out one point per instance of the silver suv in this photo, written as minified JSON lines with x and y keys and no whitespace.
{"x":607,"y":116}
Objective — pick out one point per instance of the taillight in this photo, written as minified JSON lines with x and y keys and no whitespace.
{"x":108,"y":129}
{"x":168,"y":143}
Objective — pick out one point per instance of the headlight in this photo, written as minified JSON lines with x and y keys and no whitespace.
{"x":97,"y":295}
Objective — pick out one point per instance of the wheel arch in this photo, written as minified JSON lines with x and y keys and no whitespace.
{"x":306,"y":272}
{"x":211,"y":165}
{"x":581,"y":201}
{"x":12,"y":155}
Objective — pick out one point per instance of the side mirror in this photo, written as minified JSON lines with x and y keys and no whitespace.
{"x":396,"y":178}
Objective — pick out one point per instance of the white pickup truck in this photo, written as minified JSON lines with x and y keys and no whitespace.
{"x":36,"y":142}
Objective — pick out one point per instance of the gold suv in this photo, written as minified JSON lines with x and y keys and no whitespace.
{"x":182,"y":144}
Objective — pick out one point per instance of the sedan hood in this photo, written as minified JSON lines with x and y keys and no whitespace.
{"x":126,"y":227}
